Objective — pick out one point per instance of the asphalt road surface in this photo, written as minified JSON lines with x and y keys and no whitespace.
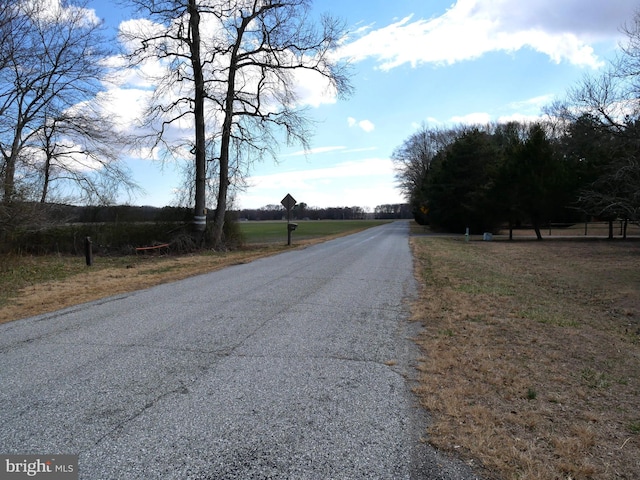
{"x":297,"y":366}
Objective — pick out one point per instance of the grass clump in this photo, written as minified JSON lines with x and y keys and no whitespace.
{"x":18,"y":272}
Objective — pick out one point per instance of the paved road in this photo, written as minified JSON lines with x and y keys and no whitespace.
{"x":295,"y":366}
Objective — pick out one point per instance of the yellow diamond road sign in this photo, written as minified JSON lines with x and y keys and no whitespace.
{"x":288,"y":202}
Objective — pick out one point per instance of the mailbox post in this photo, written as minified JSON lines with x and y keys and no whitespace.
{"x":290,"y":228}
{"x":88,"y":252}
{"x":289,"y":202}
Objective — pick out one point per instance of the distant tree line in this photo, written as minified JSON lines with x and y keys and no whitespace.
{"x":59,"y":214}
{"x":391,"y":211}
{"x":302,"y":212}
{"x":581,"y":161}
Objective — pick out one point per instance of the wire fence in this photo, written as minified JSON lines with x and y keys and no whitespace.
{"x":586,"y":229}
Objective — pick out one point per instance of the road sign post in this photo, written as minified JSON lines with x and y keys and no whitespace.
{"x":289,"y":202}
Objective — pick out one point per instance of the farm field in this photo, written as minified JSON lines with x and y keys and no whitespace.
{"x":531,"y":355}
{"x":276,"y":231}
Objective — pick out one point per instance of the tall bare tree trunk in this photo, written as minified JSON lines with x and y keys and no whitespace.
{"x":536,"y":227}
{"x":9,"y":180}
{"x":45,"y":179}
{"x":610,"y":229}
{"x":225,"y":143}
{"x":46,"y":173}
{"x":200,"y":214}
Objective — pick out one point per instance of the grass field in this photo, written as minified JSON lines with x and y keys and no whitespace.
{"x":531,"y":366}
{"x":273,"y":232}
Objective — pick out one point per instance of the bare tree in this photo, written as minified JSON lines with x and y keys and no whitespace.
{"x":412,"y":161}
{"x":627,"y":65}
{"x":77,"y":153}
{"x":615,"y":194}
{"x":609,"y":105}
{"x":413,"y":158}
{"x":50,"y":73}
{"x":243,"y":79}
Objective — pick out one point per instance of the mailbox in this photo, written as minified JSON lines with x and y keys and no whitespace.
{"x":292,"y":226}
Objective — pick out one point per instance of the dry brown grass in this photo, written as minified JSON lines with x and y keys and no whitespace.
{"x":532,"y":355}
{"x":70,"y":282}
{"x":34,"y":285}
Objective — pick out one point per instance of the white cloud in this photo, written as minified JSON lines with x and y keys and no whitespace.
{"x":593,"y":20}
{"x":313,"y":89}
{"x":472,"y":119}
{"x":126,"y":105}
{"x":366,"y":125}
{"x":55,"y":10}
{"x":470,"y":28}
{"x":314,"y":151}
{"x":533,"y":103}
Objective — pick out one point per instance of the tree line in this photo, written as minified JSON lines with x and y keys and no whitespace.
{"x":581,"y":160}
{"x":303,"y":212}
{"x":61,"y":214}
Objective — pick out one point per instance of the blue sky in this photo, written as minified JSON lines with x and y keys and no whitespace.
{"x":414,"y":63}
